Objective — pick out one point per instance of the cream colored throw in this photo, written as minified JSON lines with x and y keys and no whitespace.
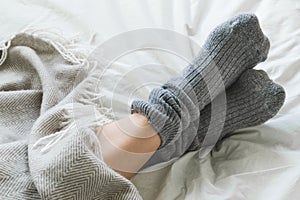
{"x":49,"y":108}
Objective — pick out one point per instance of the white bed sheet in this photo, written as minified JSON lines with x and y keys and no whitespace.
{"x":254,"y":164}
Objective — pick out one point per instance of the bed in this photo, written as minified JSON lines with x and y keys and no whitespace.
{"x":257,"y":163}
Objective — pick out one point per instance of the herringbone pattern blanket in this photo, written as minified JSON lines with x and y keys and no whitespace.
{"x":49,"y":110}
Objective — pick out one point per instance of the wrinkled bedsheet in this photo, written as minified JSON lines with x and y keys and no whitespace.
{"x":255,"y":163}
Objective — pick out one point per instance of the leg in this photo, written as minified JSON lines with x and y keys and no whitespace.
{"x":251,"y":101}
{"x":125,"y":153}
{"x":174,"y":109}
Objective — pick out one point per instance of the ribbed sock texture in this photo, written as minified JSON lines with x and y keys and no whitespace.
{"x":231,"y":48}
{"x":251,"y":101}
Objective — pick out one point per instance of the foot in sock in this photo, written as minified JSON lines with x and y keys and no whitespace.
{"x":251,"y":100}
{"x":233,"y":47}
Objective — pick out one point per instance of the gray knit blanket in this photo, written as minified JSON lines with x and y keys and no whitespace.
{"x":49,"y":110}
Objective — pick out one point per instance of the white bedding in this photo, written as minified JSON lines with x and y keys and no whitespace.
{"x":254,"y":164}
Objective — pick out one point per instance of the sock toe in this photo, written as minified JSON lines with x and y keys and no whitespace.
{"x":252,"y":100}
{"x":274,"y":95}
{"x":249,"y":19}
{"x":247,"y":28}
{"x":247,"y":24}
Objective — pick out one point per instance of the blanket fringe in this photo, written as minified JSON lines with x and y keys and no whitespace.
{"x":69,"y":49}
{"x":72,"y":50}
{"x":77,"y":115}
{"x":4,"y":46}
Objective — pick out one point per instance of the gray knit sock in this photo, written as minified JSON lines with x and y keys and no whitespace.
{"x":231,"y":48}
{"x":251,"y":101}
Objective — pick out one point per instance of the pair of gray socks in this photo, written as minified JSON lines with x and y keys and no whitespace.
{"x":181,"y":110}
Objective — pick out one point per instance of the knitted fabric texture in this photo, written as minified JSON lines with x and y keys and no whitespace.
{"x":48,"y":115}
{"x":251,"y":101}
{"x":174,"y":109}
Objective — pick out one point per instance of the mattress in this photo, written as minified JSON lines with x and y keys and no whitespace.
{"x":256,"y":163}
